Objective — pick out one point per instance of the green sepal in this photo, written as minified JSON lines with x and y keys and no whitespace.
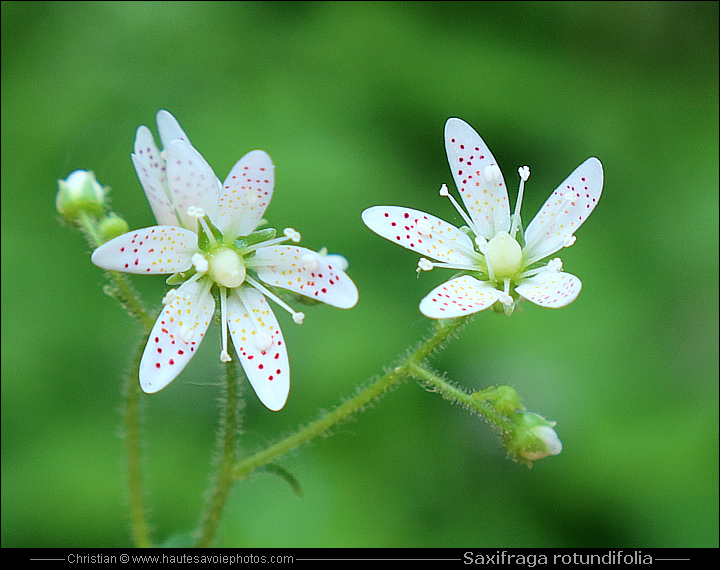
{"x":505,"y":399}
{"x":203,"y":239}
{"x":181,"y":276}
{"x":284,"y":474}
{"x":256,"y":237}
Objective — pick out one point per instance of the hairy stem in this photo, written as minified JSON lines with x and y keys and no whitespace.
{"x":140,"y":531}
{"x":405,"y":369}
{"x":229,"y":424}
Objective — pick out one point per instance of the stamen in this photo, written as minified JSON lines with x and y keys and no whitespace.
{"x":169,"y":296}
{"x":263,"y":340}
{"x":446,"y":193}
{"x":524,"y":172}
{"x":200,"y":262}
{"x":425,"y":265}
{"x":290,"y":234}
{"x":309,"y":262}
{"x":554,"y":265}
{"x":195,"y":212}
{"x":224,"y":355}
{"x":296,"y":316}
{"x":568,"y":240}
{"x":492,"y":172}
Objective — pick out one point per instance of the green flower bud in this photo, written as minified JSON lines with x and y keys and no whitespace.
{"x":112,"y":226}
{"x":532,"y":438}
{"x":79,"y":193}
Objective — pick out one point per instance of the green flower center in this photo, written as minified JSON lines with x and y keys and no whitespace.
{"x":226,"y":267}
{"x":504,"y":255}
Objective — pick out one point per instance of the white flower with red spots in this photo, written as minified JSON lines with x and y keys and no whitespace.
{"x":207,"y":239}
{"x":499,"y":262}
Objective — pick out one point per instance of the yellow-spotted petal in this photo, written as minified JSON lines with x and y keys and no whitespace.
{"x":176,"y":335}
{"x":552,"y":289}
{"x":260,"y":346}
{"x":458,"y":297}
{"x":152,"y":251}
{"x":305,"y":272}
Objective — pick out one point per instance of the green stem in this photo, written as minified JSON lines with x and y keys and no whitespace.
{"x":140,"y":531}
{"x":480,"y":406}
{"x":406,"y":368}
{"x":229,"y":425}
{"x":127,"y":295}
{"x":128,"y":298}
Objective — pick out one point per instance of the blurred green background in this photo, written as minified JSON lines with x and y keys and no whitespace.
{"x":350,"y":100}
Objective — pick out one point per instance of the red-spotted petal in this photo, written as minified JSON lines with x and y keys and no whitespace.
{"x":552,"y":289}
{"x":191,"y":182}
{"x":564,"y":212}
{"x":305,"y":272}
{"x":246,"y":194}
{"x":154,"y":250}
{"x":458,"y":297}
{"x":150,"y":168}
{"x":176,"y":335}
{"x":420,"y":232}
{"x":478,"y":178}
{"x":260,"y":345}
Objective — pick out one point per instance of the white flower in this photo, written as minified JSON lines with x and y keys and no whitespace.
{"x":496,"y":267}
{"x":206,"y":237}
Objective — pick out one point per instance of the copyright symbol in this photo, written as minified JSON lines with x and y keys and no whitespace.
{"x":124,"y":558}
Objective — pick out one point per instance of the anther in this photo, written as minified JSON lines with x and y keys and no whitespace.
{"x":195,"y":212}
{"x":492,"y":172}
{"x":169,"y":296}
{"x":505,"y":299}
{"x":298,"y":318}
{"x":571,"y":196}
{"x":524,"y":172}
{"x":446,"y":194}
{"x":292,"y":234}
{"x":568,"y":240}
{"x":200,"y":262}
{"x":224,"y":356}
{"x":187,"y":333}
{"x":263,"y":340}
{"x":424,"y":265}
{"x":424,"y":227}
{"x":309,"y":262}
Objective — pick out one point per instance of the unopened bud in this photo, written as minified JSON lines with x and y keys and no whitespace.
{"x":112,"y":226}
{"x":80,"y":193}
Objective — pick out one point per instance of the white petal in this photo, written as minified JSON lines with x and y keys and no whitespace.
{"x":246,"y":193}
{"x":561,"y":215}
{"x":169,"y":128}
{"x":260,"y":345}
{"x":150,"y":168}
{"x":305,"y":272}
{"x":152,"y":251}
{"x":478,"y":178}
{"x":191,"y":182}
{"x":552,"y":289}
{"x":420,"y":232}
{"x":458,"y":297}
{"x":176,"y":335}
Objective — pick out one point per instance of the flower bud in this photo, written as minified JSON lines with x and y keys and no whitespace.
{"x":550,"y":444}
{"x":112,"y":226}
{"x":79,"y":193}
{"x":532,"y":438}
